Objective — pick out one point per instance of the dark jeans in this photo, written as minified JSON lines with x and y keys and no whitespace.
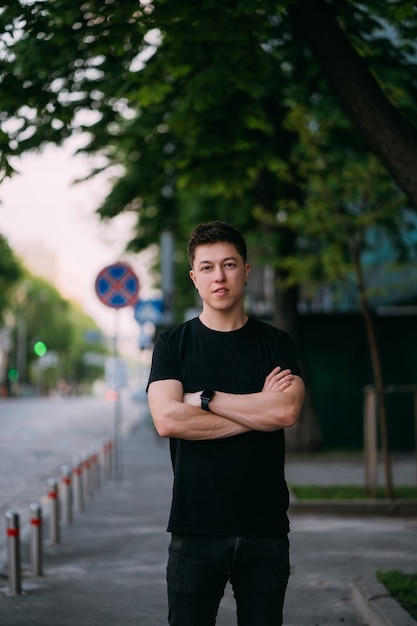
{"x":200,"y":566}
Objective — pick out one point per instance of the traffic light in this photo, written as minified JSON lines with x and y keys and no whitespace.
{"x":13,"y":375}
{"x":40,"y":348}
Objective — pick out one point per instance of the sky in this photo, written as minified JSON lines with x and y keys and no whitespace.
{"x":41,"y":205}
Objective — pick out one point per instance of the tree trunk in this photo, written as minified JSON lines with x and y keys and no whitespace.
{"x":386,"y":132}
{"x":377,"y":372}
{"x":306,"y":435}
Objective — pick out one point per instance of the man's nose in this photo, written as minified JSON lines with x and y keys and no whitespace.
{"x":219,"y":274}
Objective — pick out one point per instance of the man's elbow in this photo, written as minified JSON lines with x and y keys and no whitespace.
{"x":284,"y":419}
{"x":290,"y":418}
{"x":163,"y":427}
{"x":292,"y":411}
{"x":161,"y":417}
{"x":291,"y":414}
{"x":161,"y":422}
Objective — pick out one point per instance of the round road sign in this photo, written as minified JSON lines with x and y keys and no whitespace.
{"x":117,"y":286}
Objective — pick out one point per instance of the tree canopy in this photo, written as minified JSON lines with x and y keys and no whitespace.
{"x":189,"y":105}
{"x":40,"y":315}
{"x":10,"y":272}
{"x":183,"y":94}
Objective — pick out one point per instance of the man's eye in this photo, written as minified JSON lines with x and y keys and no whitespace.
{"x":206,"y":267}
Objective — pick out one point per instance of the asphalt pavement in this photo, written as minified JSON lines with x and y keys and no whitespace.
{"x":40,"y":435}
{"x":109,"y":567}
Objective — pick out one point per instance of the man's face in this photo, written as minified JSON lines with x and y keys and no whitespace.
{"x":219,"y":275}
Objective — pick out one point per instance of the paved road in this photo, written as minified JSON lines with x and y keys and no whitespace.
{"x":40,"y":435}
{"x":110,"y":567}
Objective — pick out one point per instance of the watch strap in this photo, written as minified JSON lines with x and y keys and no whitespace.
{"x":205,"y":397}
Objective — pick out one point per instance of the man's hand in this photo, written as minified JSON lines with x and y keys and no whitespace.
{"x":278,"y":380}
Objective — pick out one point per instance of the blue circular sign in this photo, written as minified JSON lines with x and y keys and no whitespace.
{"x":117,"y":286}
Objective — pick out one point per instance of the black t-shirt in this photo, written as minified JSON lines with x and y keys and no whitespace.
{"x":233,"y":486}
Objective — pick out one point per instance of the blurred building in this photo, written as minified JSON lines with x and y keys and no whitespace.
{"x":50,"y":265}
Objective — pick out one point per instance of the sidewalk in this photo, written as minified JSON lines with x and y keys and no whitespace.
{"x":109,"y":569}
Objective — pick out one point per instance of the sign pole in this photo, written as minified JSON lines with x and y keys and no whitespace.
{"x":118,"y":452}
{"x":117,"y":286}
{"x":115,"y":334}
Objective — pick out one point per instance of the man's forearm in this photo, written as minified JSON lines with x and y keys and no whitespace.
{"x":180,"y":415}
{"x":175,"y":418}
{"x":205,"y":425}
{"x":265,"y":411}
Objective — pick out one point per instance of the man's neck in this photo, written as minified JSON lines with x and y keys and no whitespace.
{"x":223,"y":321}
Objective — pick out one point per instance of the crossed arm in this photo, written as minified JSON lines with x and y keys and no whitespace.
{"x":176,"y":414}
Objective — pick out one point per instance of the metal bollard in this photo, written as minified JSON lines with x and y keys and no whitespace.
{"x":13,"y":550}
{"x":36,"y":539}
{"x":53,"y":511}
{"x":78,"y":485}
{"x":94,"y":472}
{"x":104,"y":463}
{"x":86,"y":477}
{"x":66,"y":496}
{"x":108,"y":458}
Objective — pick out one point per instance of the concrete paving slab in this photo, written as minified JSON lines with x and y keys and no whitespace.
{"x":109,"y":568}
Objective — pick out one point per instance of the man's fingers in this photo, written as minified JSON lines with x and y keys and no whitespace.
{"x":278,"y":380}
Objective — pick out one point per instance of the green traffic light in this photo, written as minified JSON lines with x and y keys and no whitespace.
{"x":13,"y":375}
{"x":40,"y":348}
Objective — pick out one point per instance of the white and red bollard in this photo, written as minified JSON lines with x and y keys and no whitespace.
{"x":36,"y":539}
{"x":13,"y":551}
{"x":66,"y":495}
{"x":107,"y":454}
{"x":86,"y":477}
{"x":53,"y":511}
{"x":77,"y":474}
{"x":95,"y":471}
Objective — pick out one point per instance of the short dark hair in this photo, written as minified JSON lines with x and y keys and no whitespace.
{"x":215,"y":232}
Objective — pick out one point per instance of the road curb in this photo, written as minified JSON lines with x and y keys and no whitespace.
{"x":376,"y":605}
{"x":369,"y":507}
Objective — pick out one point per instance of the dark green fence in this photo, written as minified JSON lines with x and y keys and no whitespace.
{"x":335,"y":353}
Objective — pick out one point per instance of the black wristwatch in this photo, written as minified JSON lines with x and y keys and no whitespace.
{"x":206,"y":396}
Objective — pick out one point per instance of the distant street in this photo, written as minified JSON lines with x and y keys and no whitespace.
{"x":40,"y":435}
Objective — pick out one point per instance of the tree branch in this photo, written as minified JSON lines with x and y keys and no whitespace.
{"x":386,"y":132}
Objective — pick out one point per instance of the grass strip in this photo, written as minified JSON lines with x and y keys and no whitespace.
{"x":347,"y":492}
{"x":402,"y":587}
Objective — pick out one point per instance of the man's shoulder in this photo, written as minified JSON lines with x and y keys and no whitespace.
{"x":177,"y":332}
{"x":265,"y":327}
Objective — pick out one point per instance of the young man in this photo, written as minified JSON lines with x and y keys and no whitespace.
{"x":223,"y":387}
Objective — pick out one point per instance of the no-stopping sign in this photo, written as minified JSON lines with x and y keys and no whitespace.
{"x":117,"y":286}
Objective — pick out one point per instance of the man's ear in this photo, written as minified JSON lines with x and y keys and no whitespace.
{"x":192,"y":276}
